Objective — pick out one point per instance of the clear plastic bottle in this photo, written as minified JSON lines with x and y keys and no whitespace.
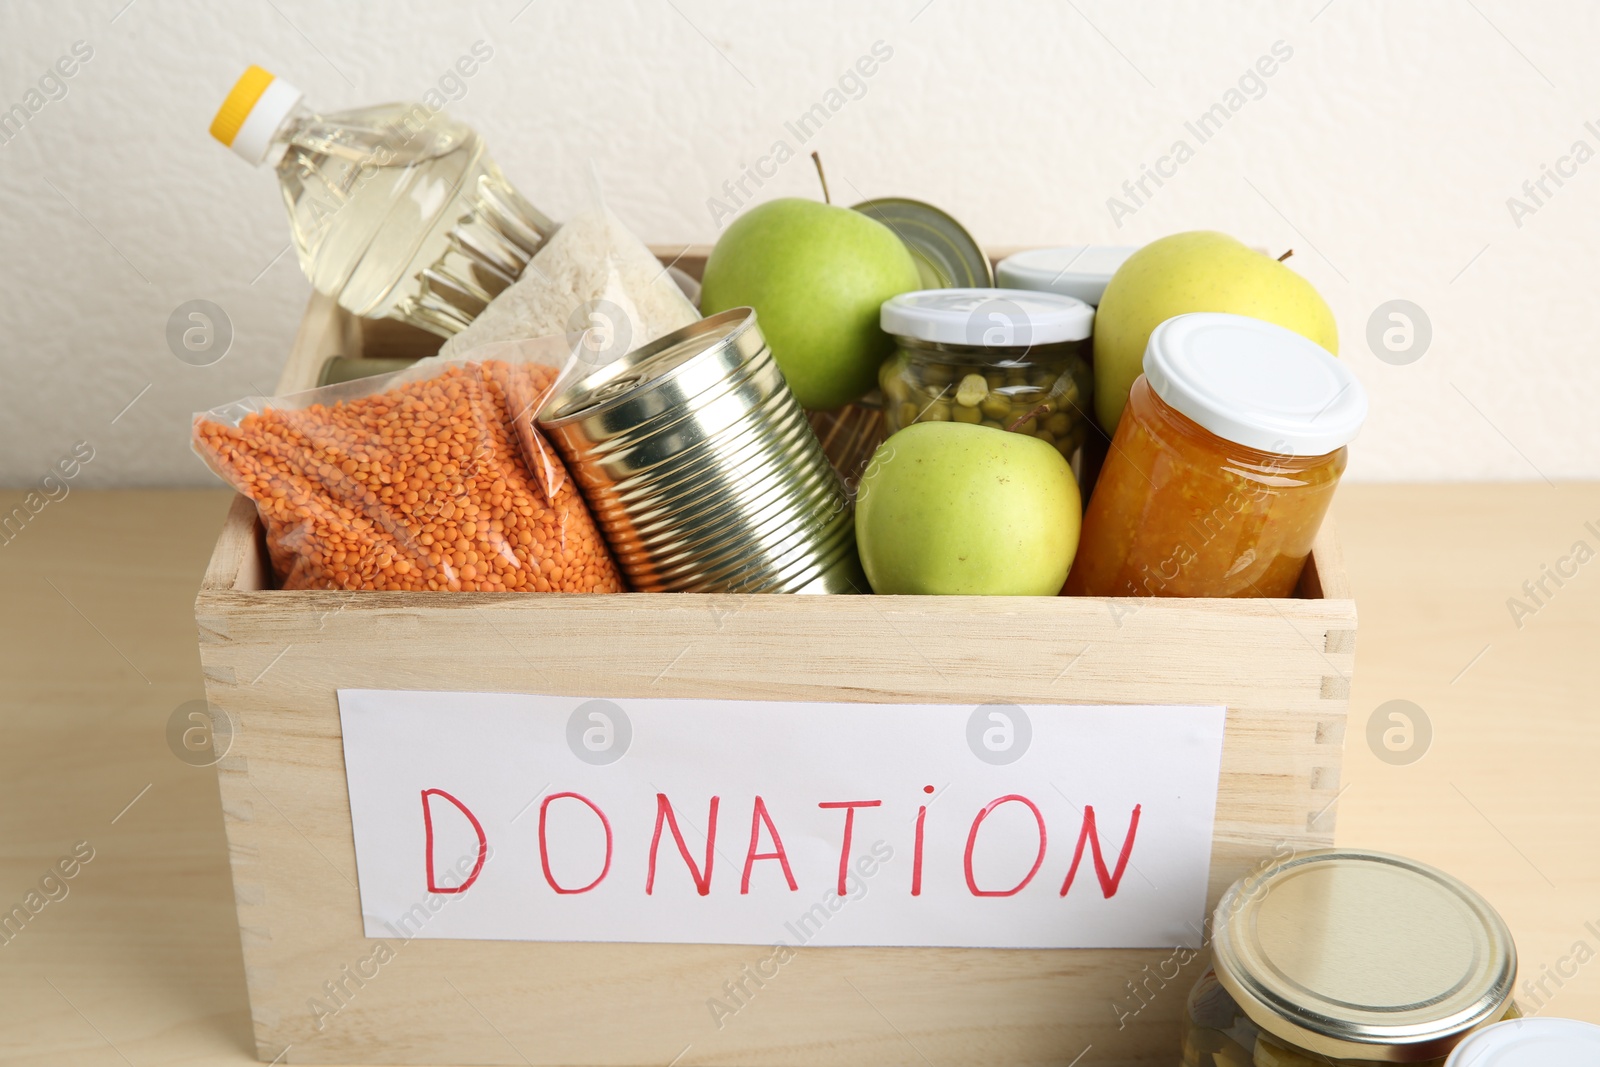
{"x":396,"y":211}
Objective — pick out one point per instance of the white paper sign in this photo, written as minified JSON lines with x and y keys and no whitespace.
{"x":498,"y":816}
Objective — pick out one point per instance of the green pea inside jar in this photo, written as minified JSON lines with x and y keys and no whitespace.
{"x":1012,"y":359}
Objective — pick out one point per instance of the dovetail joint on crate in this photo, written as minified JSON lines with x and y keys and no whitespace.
{"x":1340,"y":641}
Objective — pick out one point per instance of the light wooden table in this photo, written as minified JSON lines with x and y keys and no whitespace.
{"x":139,"y":963}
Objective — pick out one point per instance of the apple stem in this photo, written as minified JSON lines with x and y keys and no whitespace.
{"x":821,"y":177}
{"x":1286,"y":255}
{"x":1042,"y":409}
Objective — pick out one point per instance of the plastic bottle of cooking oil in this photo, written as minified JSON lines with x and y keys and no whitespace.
{"x":396,"y":211}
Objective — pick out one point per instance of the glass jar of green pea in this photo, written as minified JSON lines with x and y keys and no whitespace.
{"x":1012,"y":359}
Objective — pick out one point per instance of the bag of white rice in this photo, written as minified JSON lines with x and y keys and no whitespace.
{"x":594,"y":275}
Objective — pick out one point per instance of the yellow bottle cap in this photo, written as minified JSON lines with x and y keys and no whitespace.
{"x":256,"y":107}
{"x":241,"y":99}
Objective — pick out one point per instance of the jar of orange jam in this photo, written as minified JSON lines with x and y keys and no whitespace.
{"x":1222,"y":466}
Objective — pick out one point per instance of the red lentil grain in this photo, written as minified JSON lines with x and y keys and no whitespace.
{"x":419,"y":487}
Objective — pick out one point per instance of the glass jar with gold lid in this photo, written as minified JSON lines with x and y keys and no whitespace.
{"x":1349,"y":958}
{"x":1008,"y":358}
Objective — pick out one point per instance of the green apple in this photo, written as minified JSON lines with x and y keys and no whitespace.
{"x":953,"y":508}
{"x":1197,"y":271}
{"x":816,"y":275}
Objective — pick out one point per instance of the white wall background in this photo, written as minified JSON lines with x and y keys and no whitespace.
{"x":1384,"y":152}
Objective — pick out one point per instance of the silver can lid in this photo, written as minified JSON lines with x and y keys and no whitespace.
{"x":946,"y":254}
{"x":1363,"y":955}
{"x":660,"y":375}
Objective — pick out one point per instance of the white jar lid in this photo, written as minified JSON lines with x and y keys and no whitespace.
{"x":987,"y":318}
{"x":1077,"y":270}
{"x":1530,"y":1043}
{"x":1255,"y":383}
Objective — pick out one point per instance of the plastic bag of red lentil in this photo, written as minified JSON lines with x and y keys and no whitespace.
{"x":432,"y":478}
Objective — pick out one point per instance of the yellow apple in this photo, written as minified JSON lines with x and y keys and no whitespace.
{"x":1197,"y":271}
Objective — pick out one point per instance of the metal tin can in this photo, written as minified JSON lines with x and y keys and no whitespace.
{"x":701,"y":469}
{"x":947,"y":257}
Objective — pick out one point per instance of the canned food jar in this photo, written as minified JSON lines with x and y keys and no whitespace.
{"x":1006,"y":358}
{"x":701,"y":470}
{"x":1350,"y":958}
{"x":1223,"y":464}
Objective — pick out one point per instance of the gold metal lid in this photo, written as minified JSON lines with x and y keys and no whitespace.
{"x":946,"y":255}
{"x":1363,"y":955}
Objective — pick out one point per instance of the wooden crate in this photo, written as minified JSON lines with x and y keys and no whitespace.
{"x":273,"y":659}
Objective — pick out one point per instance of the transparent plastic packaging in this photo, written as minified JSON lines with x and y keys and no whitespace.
{"x":593,"y":276}
{"x":430,"y":479}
